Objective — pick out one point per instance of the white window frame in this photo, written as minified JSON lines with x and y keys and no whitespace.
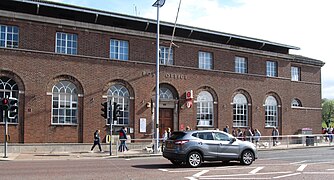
{"x":119,"y":49}
{"x":9,"y":36}
{"x":271,"y":112}
{"x":240,"y":111}
{"x":10,"y":89}
{"x":165,"y":94}
{"x":271,"y":69}
{"x":66,"y":43}
{"x":296,"y":103}
{"x":205,"y":60}
{"x":240,"y":65}
{"x":205,"y":114}
{"x":119,"y":94}
{"x":295,"y":73}
{"x":64,"y":104}
{"x":163,"y":56}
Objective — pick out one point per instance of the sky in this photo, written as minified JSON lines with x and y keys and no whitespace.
{"x":307,"y":24}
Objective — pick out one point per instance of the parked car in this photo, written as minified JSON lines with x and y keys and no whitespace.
{"x":195,"y":147}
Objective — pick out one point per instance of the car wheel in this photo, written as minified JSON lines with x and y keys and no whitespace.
{"x":176,"y":162}
{"x":194,"y":159}
{"x":247,"y":157}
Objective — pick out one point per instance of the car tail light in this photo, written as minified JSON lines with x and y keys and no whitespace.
{"x":180,"y":142}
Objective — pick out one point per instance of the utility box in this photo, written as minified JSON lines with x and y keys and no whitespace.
{"x":309,"y":140}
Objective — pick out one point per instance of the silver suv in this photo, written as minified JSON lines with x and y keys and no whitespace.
{"x":194,"y":147}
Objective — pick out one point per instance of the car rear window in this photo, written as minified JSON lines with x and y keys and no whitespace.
{"x":177,"y":135}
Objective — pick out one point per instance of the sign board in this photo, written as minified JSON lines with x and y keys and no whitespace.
{"x":142,"y":125}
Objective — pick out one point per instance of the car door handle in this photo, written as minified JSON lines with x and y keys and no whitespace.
{"x":200,"y":143}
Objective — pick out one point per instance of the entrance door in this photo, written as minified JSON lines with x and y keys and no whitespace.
{"x":165,"y":120}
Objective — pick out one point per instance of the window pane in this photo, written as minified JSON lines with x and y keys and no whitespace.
{"x":66,"y":111}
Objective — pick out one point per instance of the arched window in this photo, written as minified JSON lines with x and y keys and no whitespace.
{"x":64,"y":103}
{"x":240,"y":111}
{"x":204,"y":109}
{"x":8,"y":88}
{"x":296,"y":103}
{"x":271,"y":112}
{"x":120,"y":94}
{"x":165,"y":94}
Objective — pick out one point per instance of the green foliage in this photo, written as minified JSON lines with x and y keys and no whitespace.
{"x":327,"y":112}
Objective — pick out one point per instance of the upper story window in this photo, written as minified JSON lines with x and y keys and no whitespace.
{"x":204,"y":109}
{"x":205,"y":60}
{"x":271,"y":68}
{"x":8,"y":88}
{"x":295,"y":73}
{"x":64,"y":103}
{"x":166,"y":56}
{"x":9,"y":36}
{"x":119,"y":49}
{"x":240,"y":65}
{"x":66,"y":43}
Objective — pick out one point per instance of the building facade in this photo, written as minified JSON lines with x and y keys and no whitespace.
{"x":63,"y":62}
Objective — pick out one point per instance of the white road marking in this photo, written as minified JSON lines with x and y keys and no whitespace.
{"x":191,"y":178}
{"x":256,"y":170}
{"x":200,"y":173}
{"x":288,"y":175}
{"x":330,"y":169}
{"x":318,"y":173}
{"x":298,"y":162}
{"x":231,"y":175}
{"x":302,"y":167}
{"x":163,"y":170}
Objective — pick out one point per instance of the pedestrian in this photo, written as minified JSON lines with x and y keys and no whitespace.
{"x":275,"y":135}
{"x":164,"y":138}
{"x":257,"y":136}
{"x":226,"y":129}
{"x":188,"y":128}
{"x":240,"y":134}
{"x":169,"y":133}
{"x":234,"y":132}
{"x":122,"y":136}
{"x":248,"y":134}
{"x":96,"y":140}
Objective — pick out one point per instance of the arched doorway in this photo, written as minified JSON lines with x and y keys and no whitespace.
{"x":168,"y":108}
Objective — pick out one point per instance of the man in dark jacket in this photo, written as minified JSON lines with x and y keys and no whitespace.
{"x":96,"y":140}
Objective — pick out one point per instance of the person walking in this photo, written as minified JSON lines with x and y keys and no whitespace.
{"x":96,"y":140}
{"x":257,"y":136}
{"x":275,"y":135}
{"x":122,"y":136}
{"x":226,"y":129}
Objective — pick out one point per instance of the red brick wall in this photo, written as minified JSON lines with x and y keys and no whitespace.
{"x":38,"y":70}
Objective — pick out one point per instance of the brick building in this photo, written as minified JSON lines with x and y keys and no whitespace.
{"x":63,"y":61}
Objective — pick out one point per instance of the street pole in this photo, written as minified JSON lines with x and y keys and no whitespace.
{"x":158,"y":4}
{"x":6,"y":132}
{"x":111,"y":121}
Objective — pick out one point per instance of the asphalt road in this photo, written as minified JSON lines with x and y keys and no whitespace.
{"x":310,"y":163}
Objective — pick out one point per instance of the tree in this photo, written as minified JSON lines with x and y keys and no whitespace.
{"x":327,"y":111}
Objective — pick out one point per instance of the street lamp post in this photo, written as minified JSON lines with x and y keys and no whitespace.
{"x":157,"y":4}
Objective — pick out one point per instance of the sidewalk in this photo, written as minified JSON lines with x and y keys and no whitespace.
{"x":71,"y":152}
{"x":75,"y":155}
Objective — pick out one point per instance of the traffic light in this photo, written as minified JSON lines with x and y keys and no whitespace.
{"x":117,"y":111}
{"x":4,"y":104}
{"x":104,"y":110}
{"x":13,"y":107}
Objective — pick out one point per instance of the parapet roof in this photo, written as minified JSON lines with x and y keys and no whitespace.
{"x":82,"y":14}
